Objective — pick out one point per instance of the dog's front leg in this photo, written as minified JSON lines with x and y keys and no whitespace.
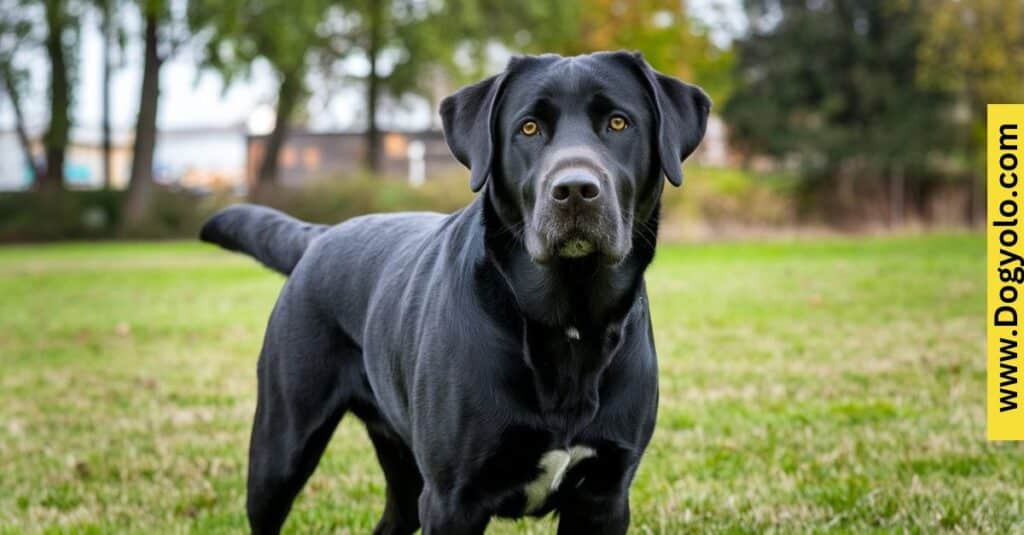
{"x":583,"y":514}
{"x":443,"y":514}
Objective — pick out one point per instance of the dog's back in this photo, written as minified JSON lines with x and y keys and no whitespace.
{"x":279,"y":241}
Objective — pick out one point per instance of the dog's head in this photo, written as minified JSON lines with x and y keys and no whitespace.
{"x":572,"y":149}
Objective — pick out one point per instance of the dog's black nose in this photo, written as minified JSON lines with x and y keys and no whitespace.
{"x":576,"y":186}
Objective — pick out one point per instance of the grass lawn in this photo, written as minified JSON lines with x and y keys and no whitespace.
{"x":830,"y":385}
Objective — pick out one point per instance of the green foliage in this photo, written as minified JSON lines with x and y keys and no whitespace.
{"x":975,"y":47}
{"x":78,"y":215}
{"x":721,"y":201}
{"x":109,"y":12}
{"x":975,"y":50}
{"x":835,"y":84}
{"x":670,"y":40}
{"x":473,"y":26}
{"x":235,"y":33}
{"x":17,"y":32}
{"x":424,"y":40}
{"x":30,"y":216}
{"x":289,"y":35}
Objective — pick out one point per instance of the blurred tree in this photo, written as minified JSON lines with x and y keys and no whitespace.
{"x":18,"y":32}
{"x":834,"y":83}
{"x":113,"y":37}
{"x":410,"y":45}
{"x":375,"y":35}
{"x":974,"y":49}
{"x":406,"y":44}
{"x":61,"y":44}
{"x":286,"y":34}
{"x":162,"y":36}
{"x":670,"y":40}
{"x":57,"y":24}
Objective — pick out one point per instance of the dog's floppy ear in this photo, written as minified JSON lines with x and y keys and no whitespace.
{"x":681,"y":113}
{"x":468,"y":120}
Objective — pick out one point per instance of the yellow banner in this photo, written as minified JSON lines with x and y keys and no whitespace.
{"x":1005,"y":128}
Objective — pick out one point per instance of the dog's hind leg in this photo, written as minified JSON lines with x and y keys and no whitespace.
{"x":404,"y":484}
{"x":307,"y":372}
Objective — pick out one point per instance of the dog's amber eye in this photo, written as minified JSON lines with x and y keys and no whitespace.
{"x":617,"y":123}
{"x":529,"y":128}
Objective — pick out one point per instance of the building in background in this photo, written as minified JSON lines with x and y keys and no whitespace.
{"x":202,"y":159}
{"x":310,"y":156}
{"x":228,"y":158}
{"x":199,"y":159}
{"x":83,"y":167}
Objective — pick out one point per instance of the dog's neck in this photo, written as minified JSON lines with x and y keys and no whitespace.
{"x":572,"y":313}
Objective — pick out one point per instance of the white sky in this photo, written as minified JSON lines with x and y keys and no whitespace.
{"x":190,"y":98}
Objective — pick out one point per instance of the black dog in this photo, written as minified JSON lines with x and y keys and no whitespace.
{"x":501,"y":357}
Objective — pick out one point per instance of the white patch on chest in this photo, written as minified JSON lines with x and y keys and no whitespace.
{"x":553,"y":467}
{"x":572,"y":333}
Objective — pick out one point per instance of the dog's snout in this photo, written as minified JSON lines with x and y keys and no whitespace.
{"x":575,"y":187}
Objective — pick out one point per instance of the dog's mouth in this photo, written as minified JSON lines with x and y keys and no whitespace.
{"x":576,"y":248}
{"x":575,"y":244}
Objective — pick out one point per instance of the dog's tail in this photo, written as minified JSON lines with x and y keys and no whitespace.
{"x":275,"y":239}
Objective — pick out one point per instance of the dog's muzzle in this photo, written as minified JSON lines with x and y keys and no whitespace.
{"x":576,"y":213}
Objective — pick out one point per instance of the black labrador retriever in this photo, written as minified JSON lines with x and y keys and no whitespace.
{"x":501,"y":357}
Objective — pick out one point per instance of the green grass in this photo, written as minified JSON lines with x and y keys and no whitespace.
{"x":807,"y":386}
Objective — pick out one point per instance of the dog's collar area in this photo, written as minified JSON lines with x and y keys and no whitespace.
{"x":572,"y":333}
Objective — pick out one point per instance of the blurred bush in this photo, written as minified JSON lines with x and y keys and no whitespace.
{"x":335,"y":199}
{"x":92,"y":215}
{"x":711,"y":201}
{"x":35,"y":216}
{"x":723,"y":201}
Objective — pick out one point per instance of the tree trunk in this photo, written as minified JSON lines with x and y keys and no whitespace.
{"x":55,"y":141}
{"x":977,"y":194}
{"x":141,"y":187}
{"x":108,"y":35}
{"x":979,"y":183}
{"x":373,"y":90}
{"x":11,"y":87}
{"x":896,"y":202}
{"x":287,"y":97}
